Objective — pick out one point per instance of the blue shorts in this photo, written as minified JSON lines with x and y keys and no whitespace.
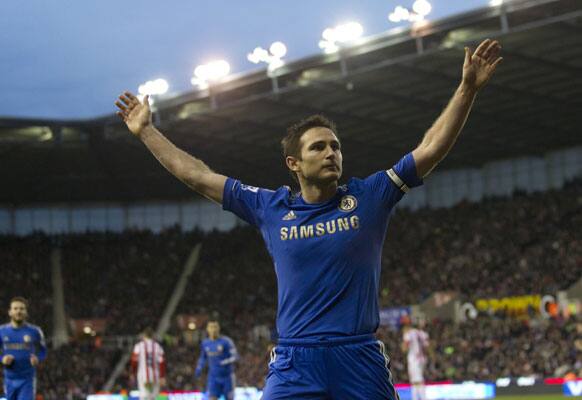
{"x":221,"y":385}
{"x":20,"y":389}
{"x":351,"y":368}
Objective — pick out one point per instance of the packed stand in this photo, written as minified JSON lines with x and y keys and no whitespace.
{"x":529,"y":244}
{"x":124,"y":278}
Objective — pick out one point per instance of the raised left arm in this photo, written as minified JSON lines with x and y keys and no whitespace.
{"x":440,"y":138}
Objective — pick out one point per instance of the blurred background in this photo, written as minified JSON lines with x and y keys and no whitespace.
{"x":103,"y":242}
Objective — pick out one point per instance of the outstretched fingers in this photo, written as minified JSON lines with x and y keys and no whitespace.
{"x":127,"y":101}
{"x":468,"y":55}
{"x":130,"y":96}
{"x":125,"y":104}
{"x":494,"y":44}
{"x":496,"y":63}
{"x":492,"y":52}
{"x":120,"y":105}
{"x":482,"y":48}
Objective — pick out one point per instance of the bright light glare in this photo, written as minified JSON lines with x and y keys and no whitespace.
{"x":346,"y":32}
{"x":87,"y":330}
{"x":340,"y":34}
{"x":199,"y":83}
{"x":422,"y":7}
{"x":400,"y":14}
{"x":212,"y":71}
{"x":495,"y":3}
{"x":259,"y":54}
{"x":159,"y":86}
{"x":329,"y":35}
{"x":278,"y":49}
{"x":273,"y":56}
{"x":328,"y":47}
{"x":275,"y":63}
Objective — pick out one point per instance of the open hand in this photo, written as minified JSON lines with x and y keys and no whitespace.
{"x":136,"y":115}
{"x":7,"y":359}
{"x":33,"y":360}
{"x":480,"y":66}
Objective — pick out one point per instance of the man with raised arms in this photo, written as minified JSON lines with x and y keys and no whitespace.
{"x":325,"y":240}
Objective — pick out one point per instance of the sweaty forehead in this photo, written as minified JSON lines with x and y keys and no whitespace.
{"x":318,"y":134}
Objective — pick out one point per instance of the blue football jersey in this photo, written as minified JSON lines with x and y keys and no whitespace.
{"x":220,"y":354}
{"x":21,"y":343}
{"x":327,"y":255}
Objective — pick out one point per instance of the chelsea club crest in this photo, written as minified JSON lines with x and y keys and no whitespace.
{"x":348,"y":203}
{"x":26,"y":338}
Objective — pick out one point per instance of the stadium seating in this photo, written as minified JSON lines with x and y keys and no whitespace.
{"x":522,"y":245}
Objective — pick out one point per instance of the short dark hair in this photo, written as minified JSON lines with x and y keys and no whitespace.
{"x":148,"y":332}
{"x":291,"y":143}
{"x":19,"y":299}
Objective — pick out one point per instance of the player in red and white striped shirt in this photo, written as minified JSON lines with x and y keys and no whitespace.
{"x":416,"y":343}
{"x":148,"y":363}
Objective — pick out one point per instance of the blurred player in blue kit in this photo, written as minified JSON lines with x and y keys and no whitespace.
{"x":325,"y":240}
{"x":23,"y":348}
{"x":220,"y":354}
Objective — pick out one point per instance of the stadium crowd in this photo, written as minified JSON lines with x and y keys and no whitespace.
{"x":126,"y":279}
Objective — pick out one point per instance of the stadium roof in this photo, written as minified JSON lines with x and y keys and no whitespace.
{"x":383,"y":93}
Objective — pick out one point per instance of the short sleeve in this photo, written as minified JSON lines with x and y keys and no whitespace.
{"x":392,"y":184}
{"x":247,"y":202}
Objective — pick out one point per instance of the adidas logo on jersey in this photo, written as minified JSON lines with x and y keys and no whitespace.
{"x":289,"y":216}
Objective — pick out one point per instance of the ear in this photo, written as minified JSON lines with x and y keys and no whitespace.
{"x":292,"y":163}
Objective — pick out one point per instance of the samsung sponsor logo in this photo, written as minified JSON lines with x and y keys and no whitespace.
{"x":295,"y":232}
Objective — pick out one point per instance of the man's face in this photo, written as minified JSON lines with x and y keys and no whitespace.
{"x":17,"y":312}
{"x":213,"y":329}
{"x":321,"y":157}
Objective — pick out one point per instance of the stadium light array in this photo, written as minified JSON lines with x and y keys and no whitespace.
{"x":273,"y":56}
{"x":213,"y":71}
{"x":420,"y":9}
{"x":334,"y":37}
{"x":152,"y":88}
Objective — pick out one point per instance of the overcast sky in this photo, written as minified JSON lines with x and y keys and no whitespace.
{"x":70,"y":58}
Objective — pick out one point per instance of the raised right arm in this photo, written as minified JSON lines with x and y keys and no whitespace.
{"x":190,"y":170}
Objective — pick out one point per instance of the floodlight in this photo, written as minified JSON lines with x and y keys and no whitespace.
{"x":344,"y":33}
{"x":273,"y":56}
{"x":421,"y":7}
{"x":212,"y":71}
{"x":278,"y":49}
{"x":155,"y":87}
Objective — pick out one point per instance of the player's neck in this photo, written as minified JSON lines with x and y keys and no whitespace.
{"x":16,"y":324}
{"x":316,"y":192}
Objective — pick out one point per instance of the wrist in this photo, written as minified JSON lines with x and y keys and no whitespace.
{"x":467,"y":89}
{"x":147,"y":131}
